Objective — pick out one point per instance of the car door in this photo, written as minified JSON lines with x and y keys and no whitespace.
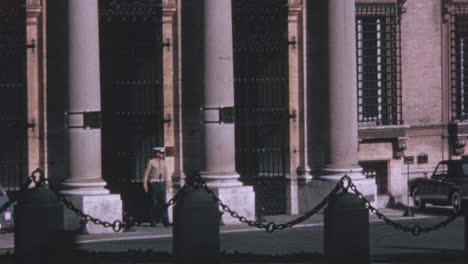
{"x":436,"y":186}
{"x":453,"y":180}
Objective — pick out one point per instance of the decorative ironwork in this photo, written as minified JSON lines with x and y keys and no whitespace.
{"x":13,"y":113}
{"x":379,"y":63}
{"x":131,"y":9}
{"x":132,"y":90}
{"x":261,"y":99}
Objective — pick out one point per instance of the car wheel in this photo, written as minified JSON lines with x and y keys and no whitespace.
{"x":418,"y":202}
{"x":456,"y":202}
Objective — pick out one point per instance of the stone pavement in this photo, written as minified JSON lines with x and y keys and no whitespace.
{"x":100,"y":242}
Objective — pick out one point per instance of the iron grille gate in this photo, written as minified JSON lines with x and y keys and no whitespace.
{"x":378,"y":63}
{"x":261,"y":99}
{"x":13,"y":113}
{"x":132,"y":92}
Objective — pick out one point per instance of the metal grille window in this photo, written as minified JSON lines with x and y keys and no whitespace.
{"x":459,"y":60}
{"x":378,"y":63}
{"x":13,"y":97}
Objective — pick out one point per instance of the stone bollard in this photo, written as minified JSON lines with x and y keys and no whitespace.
{"x":346,"y":230}
{"x":38,"y":218}
{"x":465,"y":214}
{"x":196,"y":229}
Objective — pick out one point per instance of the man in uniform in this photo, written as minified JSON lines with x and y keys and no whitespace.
{"x":155,"y":182}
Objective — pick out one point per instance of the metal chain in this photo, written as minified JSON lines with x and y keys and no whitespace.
{"x":196,"y":183}
{"x":116,"y":225}
{"x":271,"y":226}
{"x":415,"y":230}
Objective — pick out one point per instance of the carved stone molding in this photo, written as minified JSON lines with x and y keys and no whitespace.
{"x":169,"y":8}
{"x":459,"y":144}
{"x":447,"y":10}
{"x":399,"y":146}
{"x":458,"y":133}
{"x":33,"y":2}
{"x":169,"y":3}
{"x":33,"y":13}
{"x":294,"y":7}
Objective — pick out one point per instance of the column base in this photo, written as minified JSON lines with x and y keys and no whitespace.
{"x":240,"y":199}
{"x":95,"y":187}
{"x":104,"y":207}
{"x":221,"y":180}
{"x":317,"y":189}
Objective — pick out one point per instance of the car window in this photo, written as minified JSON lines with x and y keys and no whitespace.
{"x":465,"y":170}
{"x":441,"y":171}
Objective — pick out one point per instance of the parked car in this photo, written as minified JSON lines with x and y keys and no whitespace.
{"x":447,"y":185}
{"x":6,"y":217}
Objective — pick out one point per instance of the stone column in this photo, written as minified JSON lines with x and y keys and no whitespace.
{"x":299,"y":171}
{"x":219,"y":167}
{"x":342,"y":101}
{"x":343,"y":89}
{"x":85,"y":185}
{"x":36,"y":113}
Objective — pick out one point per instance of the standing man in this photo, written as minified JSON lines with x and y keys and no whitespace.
{"x":156,"y":182}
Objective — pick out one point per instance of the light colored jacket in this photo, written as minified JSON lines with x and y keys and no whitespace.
{"x":156,"y":170}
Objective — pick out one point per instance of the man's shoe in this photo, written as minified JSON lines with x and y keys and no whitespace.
{"x":152,"y":224}
{"x":167,"y":224}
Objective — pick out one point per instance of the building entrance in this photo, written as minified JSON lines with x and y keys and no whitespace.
{"x":13,"y":94}
{"x":132,"y":91}
{"x":261,"y":99}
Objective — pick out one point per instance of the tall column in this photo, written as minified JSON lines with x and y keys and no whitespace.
{"x":219,"y":166}
{"x":343,"y":90}
{"x":219,"y":145}
{"x":85,"y":186}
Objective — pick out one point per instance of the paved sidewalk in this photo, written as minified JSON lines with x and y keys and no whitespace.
{"x":146,"y":232}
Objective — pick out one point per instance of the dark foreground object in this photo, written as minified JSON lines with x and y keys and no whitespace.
{"x":196,"y":229}
{"x":346,"y":230}
{"x":39,"y":235}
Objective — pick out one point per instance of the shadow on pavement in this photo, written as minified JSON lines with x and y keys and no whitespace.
{"x":432,"y":256}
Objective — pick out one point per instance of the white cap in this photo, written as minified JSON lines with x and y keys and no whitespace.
{"x":160,"y":149}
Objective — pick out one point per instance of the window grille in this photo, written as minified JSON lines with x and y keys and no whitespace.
{"x":378,"y":63}
{"x":459,"y":60}
{"x":377,"y":170}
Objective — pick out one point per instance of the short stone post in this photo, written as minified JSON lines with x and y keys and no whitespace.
{"x":465,"y":214}
{"x":346,"y":230}
{"x":196,"y":229}
{"x":38,"y":218}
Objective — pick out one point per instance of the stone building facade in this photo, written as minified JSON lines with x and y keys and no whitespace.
{"x":271,"y":101}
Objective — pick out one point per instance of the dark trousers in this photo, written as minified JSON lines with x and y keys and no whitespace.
{"x":157,"y":192}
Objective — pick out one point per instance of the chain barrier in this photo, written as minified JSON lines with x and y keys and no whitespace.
{"x":415,"y":230}
{"x":116,"y":225}
{"x":196,"y":183}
